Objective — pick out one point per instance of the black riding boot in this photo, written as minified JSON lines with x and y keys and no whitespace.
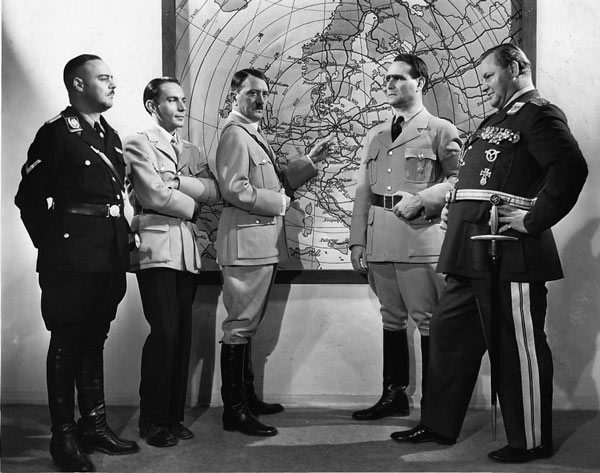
{"x":393,"y":401}
{"x":65,"y":449}
{"x":424,"y":367}
{"x":94,"y":432}
{"x":257,"y":406}
{"x":236,"y":414}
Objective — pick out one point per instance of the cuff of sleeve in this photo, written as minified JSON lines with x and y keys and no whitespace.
{"x":283,"y":205}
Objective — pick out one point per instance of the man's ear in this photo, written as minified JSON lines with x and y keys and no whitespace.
{"x":78,"y":84}
{"x":514,"y":68}
{"x":421,"y":82}
{"x":150,"y":106}
{"x":233,"y":96}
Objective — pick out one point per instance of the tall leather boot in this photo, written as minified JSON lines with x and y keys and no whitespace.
{"x":257,"y":406}
{"x":393,"y":401}
{"x":65,"y":449}
{"x":236,"y":414}
{"x":424,"y":367}
{"x":94,"y":432}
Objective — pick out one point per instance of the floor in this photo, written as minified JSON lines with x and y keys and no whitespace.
{"x":309,"y":440}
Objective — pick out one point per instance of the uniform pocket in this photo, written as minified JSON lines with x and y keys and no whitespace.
{"x":257,"y":236}
{"x":426,"y":240}
{"x":155,"y":245}
{"x":420,"y":165}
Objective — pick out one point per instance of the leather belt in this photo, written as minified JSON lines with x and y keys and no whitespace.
{"x":495,"y":197}
{"x":95,"y":210}
{"x":386,"y":201}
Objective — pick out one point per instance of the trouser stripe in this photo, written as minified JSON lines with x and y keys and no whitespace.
{"x":530,"y":379}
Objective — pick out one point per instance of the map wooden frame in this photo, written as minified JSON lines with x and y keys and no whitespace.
{"x":345,"y":276}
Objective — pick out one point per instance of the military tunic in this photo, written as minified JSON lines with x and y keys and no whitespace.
{"x":422,"y":160}
{"x":82,"y":258}
{"x":525,"y":152}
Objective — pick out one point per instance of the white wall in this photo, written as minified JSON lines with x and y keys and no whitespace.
{"x":319,"y":344}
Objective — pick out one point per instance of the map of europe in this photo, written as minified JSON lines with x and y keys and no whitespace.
{"x":326,"y":61}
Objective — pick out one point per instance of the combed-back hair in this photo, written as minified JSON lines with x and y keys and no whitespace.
{"x":506,"y":53}
{"x":240,"y":76}
{"x":72,"y":67}
{"x":418,"y":68}
{"x":153,"y":88}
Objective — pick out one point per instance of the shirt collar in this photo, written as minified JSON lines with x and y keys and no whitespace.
{"x":406,"y":119}
{"x":517,"y":94}
{"x":167,"y":135}
{"x":245,"y":120}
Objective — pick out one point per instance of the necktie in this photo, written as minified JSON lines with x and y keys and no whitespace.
{"x":176,"y":145}
{"x":99,"y":129}
{"x":397,"y":127}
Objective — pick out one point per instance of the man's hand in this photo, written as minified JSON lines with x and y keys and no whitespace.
{"x":410,"y":207}
{"x":511,"y":217}
{"x":321,"y":150}
{"x":358,"y":257}
{"x":444,"y":218}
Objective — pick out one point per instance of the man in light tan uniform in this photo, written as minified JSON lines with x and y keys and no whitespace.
{"x":408,"y":166}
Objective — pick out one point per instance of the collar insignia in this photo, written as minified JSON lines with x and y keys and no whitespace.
{"x":515,"y":108}
{"x":73,"y":124}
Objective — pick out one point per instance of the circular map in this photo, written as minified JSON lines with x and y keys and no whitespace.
{"x":326,"y":62}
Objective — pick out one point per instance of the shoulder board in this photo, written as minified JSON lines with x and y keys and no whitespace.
{"x":53,"y":119}
{"x":539,"y":101}
{"x":73,"y":124}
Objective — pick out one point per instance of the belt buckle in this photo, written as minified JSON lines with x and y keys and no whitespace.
{"x":388,"y":202}
{"x":113,"y":210}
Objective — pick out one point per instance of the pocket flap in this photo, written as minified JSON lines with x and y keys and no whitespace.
{"x":251,"y":220}
{"x":420,"y":153}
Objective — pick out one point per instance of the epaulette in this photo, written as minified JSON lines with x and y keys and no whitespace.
{"x":539,"y":101}
{"x":53,"y":119}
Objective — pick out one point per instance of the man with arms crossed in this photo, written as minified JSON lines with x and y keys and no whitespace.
{"x":408,"y":166}
{"x":251,"y":240}
{"x":521,"y":172}
{"x":169,"y":182}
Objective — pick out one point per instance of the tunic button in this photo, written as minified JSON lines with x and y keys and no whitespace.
{"x":114,"y":180}
{"x":389,"y":170}
{"x":420,"y":170}
{"x":264,"y":161}
{"x":66,"y":235}
{"x":258,"y":221}
{"x":87,"y":162}
{"x":390,"y":153}
{"x":470,"y":147}
{"x":118,"y":197}
{"x":179,"y":173}
{"x":389,"y":188}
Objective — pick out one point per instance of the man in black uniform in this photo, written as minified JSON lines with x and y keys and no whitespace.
{"x":71,"y":202}
{"x":521,"y":172}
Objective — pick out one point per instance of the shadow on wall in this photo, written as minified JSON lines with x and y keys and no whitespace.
{"x":202,"y":359}
{"x":573,"y":324}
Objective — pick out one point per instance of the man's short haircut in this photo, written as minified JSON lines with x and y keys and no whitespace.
{"x":507,"y":53}
{"x":240,"y":76}
{"x":72,"y":68}
{"x":418,"y":68}
{"x":152,"y":90}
